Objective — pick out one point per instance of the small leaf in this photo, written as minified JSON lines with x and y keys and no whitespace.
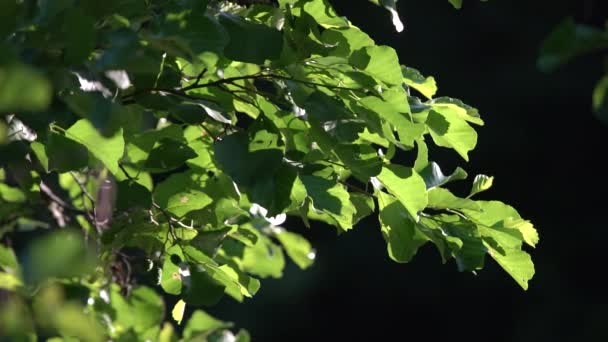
{"x":600,"y":99}
{"x":481,"y":183}
{"x":434,"y":177}
{"x":178,"y":311}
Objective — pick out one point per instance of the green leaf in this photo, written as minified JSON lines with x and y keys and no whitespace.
{"x":23,"y":89}
{"x":9,"y":281}
{"x":449,"y":130}
{"x":457,"y":108}
{"x":178,"y":311}
{"x":201,"y":288}
{"x":68,"y":249}
{"x":248,"y":159}
{"x":132,"y":195}
{"x":398,"y":229}
{"x":440,"y":198}
{"x":600,"y":99}
{"x":330,"y":198}
{"x":324,"y":14}
{"x":381,"y":62}
{"x":264,"y":259}
{"x":434,"y":177}
{"x":413,"y":78}
{"x":516,"y":263}
{"x":168,"y":155}
{"x":456,"y":3}
{"x":179,"y":194}
{"x":569,"y":40}
{"x":170,"y":275}
{"x":11,"y":194}
{"x":481,"y":183}
{"x":108,"y":150}
{"x":346,"y":40}
{"x":140,"y":311}
{"x":503,"y":224}
{"x":251,"y":42}
{"x":408,"y":131}
{"x":297,"y":247}
{"x":407,"y":186}
{"x":470,"y":255}
{"x":8,"y":260}
{"x":201,"y":322}
{"x":65,"y":154}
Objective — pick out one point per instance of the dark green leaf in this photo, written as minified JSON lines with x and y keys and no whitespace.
{"x":65,"y":154}
{"x":569,"y":40}
{"x":250,"y":42}
{"x":168,"y":155}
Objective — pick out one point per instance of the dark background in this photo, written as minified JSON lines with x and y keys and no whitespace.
{"x":545,"y":148}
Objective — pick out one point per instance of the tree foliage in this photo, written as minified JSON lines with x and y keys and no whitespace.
{"x":570,"y":40}
{"x":157,"y":148}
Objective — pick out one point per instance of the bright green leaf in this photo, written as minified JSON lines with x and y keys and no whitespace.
{"x":481,"y":183}
{"x":407,"y":186}
{"x":108,"y":150}
{"x":178,"y":311}
{"x":398,"y":229}
{"x":297,"y":247}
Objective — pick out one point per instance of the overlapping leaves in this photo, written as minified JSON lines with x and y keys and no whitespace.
{"x":190,"y":131}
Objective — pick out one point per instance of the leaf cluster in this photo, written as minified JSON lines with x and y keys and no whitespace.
{"x":165,"y":145}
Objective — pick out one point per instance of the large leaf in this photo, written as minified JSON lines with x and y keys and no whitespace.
{"x":251,"y":42}
{"x":407,"y":186}
{"x":398,"y":229}
{"x":381,"y":62}
{"x":297,"y":247}
{"x":107,"y":150}
{"x":449,"y":130}
{"x":331,"y":198}
{"x":179,"y":195}
{"x":515,"y":262}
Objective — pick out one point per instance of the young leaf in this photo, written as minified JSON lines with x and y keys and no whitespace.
{"x":481,"y":183}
